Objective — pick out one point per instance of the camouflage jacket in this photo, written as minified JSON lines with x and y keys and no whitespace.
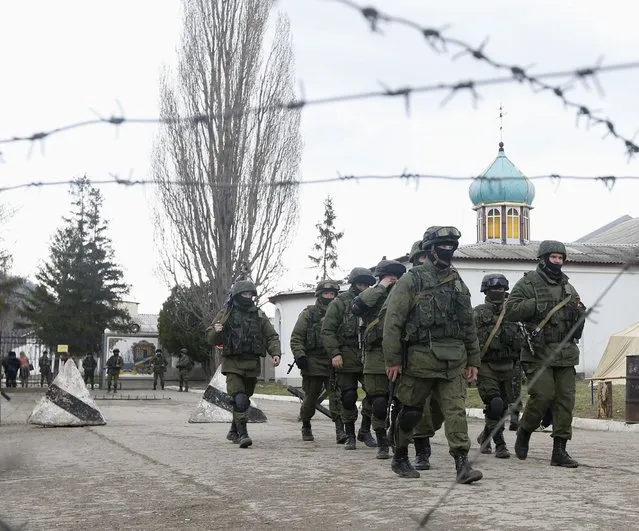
{"x":89,"y":363}
{"x":368,"y":306}
{"x":114,"y":364}
{"x":159,"y":363}
{"x":506,"y":342}
{"x":306,"y":339}
{"x":340,"y":329}
{"x":430,"y":310}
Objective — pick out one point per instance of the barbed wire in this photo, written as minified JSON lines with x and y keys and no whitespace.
{"x":404,"y":92}
{"x":608,"y":181}
{"x":436,"y":39}
{"x":424,"y":520}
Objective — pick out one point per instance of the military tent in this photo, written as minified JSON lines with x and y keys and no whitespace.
{"x":620,"y":345}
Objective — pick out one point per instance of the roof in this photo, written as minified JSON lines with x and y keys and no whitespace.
{"x":148,"y":321}
{"x":501,"y":182}
{"x":624,"y":230}
{"x":577,"y":253}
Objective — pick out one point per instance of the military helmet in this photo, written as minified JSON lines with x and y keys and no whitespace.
{"x":389,"y":267}
{"x":492,"y":281}
{"x":440,"y":234}
{"x":551,"y":246}
{"x":326,"y":285}
{"x":243,"y":285}
{"x":415,"y":251}
{"x":116,"y":351}
{"x":361,"y":275}
{"x":183,"y":351}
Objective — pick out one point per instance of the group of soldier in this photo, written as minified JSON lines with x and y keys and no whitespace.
{"x":414,"y":342}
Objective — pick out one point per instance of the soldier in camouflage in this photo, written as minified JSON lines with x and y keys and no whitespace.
{"x":89,"y":364}
{"x":45,"y":368}
{"x":500,"y":343}
{"x":342,"y":337}
{"x":184,"y":366}
{"x":550,"y":309}
{"x":370,"y":307}
{"x":114,"y":365}
{"x":245,"y":336}
{"x":430,"y":343}
{"x":159,"y":364}
{"x":313,"y":362}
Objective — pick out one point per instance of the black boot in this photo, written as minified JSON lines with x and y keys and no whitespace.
{"x":364,"y":434}
{"x":521,"y":443}
{"x":349,"y":427}
{"x":487,"y":449}
{"x":422,"y":453}
{"x":382,"y":444}
{"x":514,"y":421}
{"x":244,"y":439}
{"x":465,"y":473}
{"x":155,"y":387}
{"x":501,"y":451}
{"x":401,"y":464}
{"x":232,"y":434}
{"x":307,"y":434}
{"x":559,"y":455}
{"x":340,"y":434}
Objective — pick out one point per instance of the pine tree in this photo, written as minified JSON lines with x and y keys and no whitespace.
{"x":326,"y":246}
{"x":80,"y":286}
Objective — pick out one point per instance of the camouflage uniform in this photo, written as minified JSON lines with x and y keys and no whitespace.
{"x":184,"y":365}
{"x":495,"y":376}
{"x":370,"y":307}
{"x":114,"y":366}
{"x":159,"y":368}
{"x":342,"y":336}
{"x":89,"y":364}
{"x":311,"y":358}
{"x":45,"y":369}
{"x":429,"y":310}
{"x":247,"y":336}
{"x":533,"y":298}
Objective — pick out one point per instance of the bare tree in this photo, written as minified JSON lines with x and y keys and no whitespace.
{"x":227,"y":180}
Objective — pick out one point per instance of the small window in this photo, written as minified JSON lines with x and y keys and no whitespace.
{"x":512,"y":224}
{"x":494,"y":224}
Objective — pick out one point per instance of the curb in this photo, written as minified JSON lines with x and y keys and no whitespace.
{"x":477,"y":413}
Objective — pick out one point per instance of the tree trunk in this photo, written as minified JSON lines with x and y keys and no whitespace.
{"x":604,"y":400}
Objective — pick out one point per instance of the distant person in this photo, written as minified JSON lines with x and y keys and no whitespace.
{"x":25,"y":370}
{"x":44,"y":364}
{"x":184,"y":365}
{"x":114,"y":366}
{"x":159,"y":368}
{"x":89,"y":364}
{"x":11,"y":366}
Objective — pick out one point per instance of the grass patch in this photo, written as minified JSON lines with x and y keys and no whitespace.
{"x":271,"y":388}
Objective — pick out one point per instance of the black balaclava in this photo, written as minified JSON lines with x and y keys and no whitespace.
{"x":322,"y":301}
{"x":242,"y":302}
{"x":440,"y":257}
{"x":496,"y":297}
{"x":552,"y":270}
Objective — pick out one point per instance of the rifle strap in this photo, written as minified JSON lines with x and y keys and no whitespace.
{"x":423,"y":293}
{"x":552,"y":312}
{"x":493,"y":332}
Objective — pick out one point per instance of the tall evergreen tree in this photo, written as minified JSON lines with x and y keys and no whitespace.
{"x":79,"y":287}
{"x":326,"y":245}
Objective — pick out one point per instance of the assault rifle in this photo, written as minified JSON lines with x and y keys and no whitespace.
{"x":524,"y":332}
{"x":360,"y":339}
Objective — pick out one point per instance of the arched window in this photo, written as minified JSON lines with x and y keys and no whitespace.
{"x":493,"y":224}
{"x":512,"y":224}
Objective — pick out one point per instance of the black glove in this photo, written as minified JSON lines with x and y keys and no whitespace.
{"x":302,"y":362}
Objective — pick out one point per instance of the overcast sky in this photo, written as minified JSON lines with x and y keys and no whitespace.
{"x":61,"y":59}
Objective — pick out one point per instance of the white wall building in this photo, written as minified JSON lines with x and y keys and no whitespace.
{"x":503,"y":198}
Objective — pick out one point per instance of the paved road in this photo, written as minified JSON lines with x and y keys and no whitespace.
{"x":149,"y":469}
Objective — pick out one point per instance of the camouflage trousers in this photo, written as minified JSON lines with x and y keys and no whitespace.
{"x":492,"y":383}
{"x":47,"y":377}
{"x":556,"y":385}
{"x":157,"y":375}
{"x":313,"y":387}
{"x":432,"y":419}
{"x":113,"y":379}
{"x":184,"y":379}
{"x":414,"y":393}
{"x":349,"y":381}
{"x":518,"y":374}
{"x":236,"y":383}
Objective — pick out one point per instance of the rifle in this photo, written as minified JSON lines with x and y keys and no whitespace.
{"x":524,"y":332}
{"x":290,"y":367}
{"x":360,"y":339}
{"x":391,"y":393}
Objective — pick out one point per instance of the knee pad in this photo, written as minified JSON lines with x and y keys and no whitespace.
{"x":380,"y":406}
{"x":349,"y":399}
{"x":494,"y":407}
{"x":409,"y":417}
{"x":241,"y":402}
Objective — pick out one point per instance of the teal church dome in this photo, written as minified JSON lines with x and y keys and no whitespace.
{"x":504,"y":183}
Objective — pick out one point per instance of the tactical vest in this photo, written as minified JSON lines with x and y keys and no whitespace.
{"x":562,"y":320}
{"x":315,"y":315}
{"x":506,"y":344}
{"x":243,"y":334}
{"x":375,"y":329}
{"x":348,"y":328}
{"x":158,"y":362}
{"x":439,"y":311}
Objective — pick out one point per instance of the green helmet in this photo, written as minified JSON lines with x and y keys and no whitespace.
{"x":326,"y":285}
{"x":493,"y":280}
{"x":361,"y":275}
{"x":243,"y":285}
{"x":415,"y":251}
{"x":551,"y":246}
{"x":183,"y":351}
{"x":437,"y":235}
{"x":389,"y":267}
